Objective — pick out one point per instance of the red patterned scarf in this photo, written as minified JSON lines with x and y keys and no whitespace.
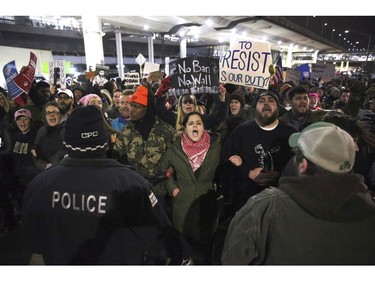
{"x":195,"y":151}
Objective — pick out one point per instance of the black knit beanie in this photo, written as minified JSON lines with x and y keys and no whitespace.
{"x":237,"y":96}
{"x":263,"y":93}
{"x":85,"y":131}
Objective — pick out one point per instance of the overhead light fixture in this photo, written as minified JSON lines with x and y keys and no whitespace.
{"x":145,"y":27}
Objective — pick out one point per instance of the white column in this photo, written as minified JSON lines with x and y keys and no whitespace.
{"x":289,"y":57}
{"x":120,"y":58}
{"x":92,"y":38}
{"x":233,"y":39}
{"x":150,"y":41}
{"x":315,"y":57}
{"x":183,"y":49}
{"x":167,"y":60}
{"x":342,"y":66}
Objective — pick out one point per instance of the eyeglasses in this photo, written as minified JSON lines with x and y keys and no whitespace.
{"x":50,"y":113}
{"x":190,"y":101}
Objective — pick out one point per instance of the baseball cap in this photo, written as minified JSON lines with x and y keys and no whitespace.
{"x":22,"y":112}
{"x":67,"y":92}
{"x":327,"y":146}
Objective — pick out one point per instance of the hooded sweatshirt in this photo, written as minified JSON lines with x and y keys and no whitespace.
{"x":309,"y":220}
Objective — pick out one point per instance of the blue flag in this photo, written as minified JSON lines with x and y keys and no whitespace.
{"x":305,"y":71}
{"x":10,"y":71}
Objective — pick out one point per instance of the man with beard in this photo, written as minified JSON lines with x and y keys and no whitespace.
{"x":300,"y":116}
{"x":65,"y":99}
{"x":259,"y":148}
{"x":124,"y":109}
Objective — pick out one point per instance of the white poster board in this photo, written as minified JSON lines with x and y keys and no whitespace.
{"x":131,"y":79}
{"x":150,"y":67}
{"x":57,"y":66}
{"x":247,"y":64}
{"x":324,"y":71}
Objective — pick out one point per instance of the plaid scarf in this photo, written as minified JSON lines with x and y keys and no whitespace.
{"x":195,"y":151}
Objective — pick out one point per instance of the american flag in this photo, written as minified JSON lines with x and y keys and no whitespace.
{"x":278,"y":76}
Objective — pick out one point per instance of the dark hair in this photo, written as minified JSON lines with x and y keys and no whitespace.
{"x":42,"y":84}
{"x":344,"y":122}
{"x":50,"y":103}
{"x":295,"y":91}
{"x":187,"y":94}
{"x":114,"y":91}
{"x":186,"y":118}
{"x":344,"y":90}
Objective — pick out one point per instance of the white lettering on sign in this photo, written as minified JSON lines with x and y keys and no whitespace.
{"x":80,"y":202}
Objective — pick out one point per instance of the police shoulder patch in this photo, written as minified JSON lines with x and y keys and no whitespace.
{"x":153,"y":199}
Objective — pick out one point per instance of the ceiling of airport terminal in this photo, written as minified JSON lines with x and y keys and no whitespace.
{"x":280,"y":33}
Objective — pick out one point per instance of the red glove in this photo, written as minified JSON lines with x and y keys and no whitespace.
{"x":163,"y":87}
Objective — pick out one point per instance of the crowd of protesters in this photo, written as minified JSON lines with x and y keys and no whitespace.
{"x":220,"y":165}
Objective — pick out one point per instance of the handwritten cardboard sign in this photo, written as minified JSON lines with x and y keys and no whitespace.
{"x":194,"y":72}
{"x":325,"y":72}
{"x":247,"y":63}
{"x":57,"y":72}
{"x":155,"y":75}
{"x":131,"y":78}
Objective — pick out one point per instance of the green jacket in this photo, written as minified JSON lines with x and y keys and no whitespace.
{"x":194,"y":209}
{"x":145,"y":156}
{"x":309,"y":220}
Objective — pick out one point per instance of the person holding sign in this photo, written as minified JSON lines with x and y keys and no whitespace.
{"x":187,"y":103}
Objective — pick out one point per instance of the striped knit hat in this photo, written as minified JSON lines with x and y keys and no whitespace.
{"x":85,"y":130}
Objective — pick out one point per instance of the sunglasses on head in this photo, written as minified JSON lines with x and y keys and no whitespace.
{"x":190,"y":101}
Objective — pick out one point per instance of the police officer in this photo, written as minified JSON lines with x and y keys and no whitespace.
{"x":91,"y":209}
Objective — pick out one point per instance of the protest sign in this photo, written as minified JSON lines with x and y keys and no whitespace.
{"x":102,"y":70}
{"x":131,"y":79}
{"x":293,"y":75}
{"x":10,"y":71}
{"x":194,"y":72}
{"x":325,"y":72}
{"x":26,"y":76}
{"x":305,"y":71}
{"x":57,"y":72}
{"x":150,"y":67}
{"x":247,"y":63}
{"x":155,"y":75}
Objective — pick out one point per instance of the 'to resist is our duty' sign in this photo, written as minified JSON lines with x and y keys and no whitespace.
{"x":247,"y":64}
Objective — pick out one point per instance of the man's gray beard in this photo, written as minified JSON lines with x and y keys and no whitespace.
{"x":265,"y":121}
